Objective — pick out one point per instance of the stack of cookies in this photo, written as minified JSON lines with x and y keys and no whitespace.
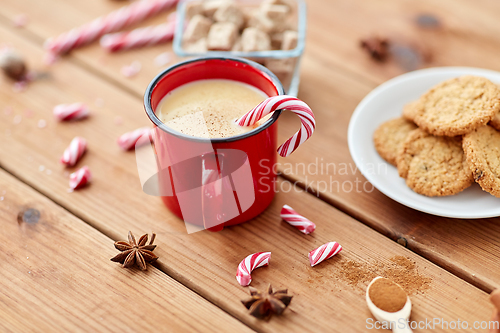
{"x":447,"y":139}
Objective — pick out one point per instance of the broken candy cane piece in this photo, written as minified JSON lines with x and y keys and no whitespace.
{"x":250,"y":263}
{"x":74,"y":111}
{"x":131,"y":70}
{"x":297,"y":220}
{"x":80,"y":178}
{"x":135,"y":138}
{"x":324,"y":252}
{"x":74,"y":152}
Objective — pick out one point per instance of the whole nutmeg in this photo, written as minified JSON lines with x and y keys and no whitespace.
{"x":13,"y":64}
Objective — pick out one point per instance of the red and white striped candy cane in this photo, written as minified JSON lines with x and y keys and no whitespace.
{"x":75,"y":111}
{"x":139,"y":37}
{"x":297,"y":220}
{"x":114,"y":21}
{"x":250,"y":263}
{"x":324,"y":252}
{"x":80,"y":178}
{"x":74,"y":152}
{"x":284,"y":102}
{"x":136,"y":138}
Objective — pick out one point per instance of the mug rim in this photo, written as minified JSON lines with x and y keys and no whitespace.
{"x":156,"y":121}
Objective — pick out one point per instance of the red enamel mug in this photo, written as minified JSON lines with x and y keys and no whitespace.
{"x":212,"y":183}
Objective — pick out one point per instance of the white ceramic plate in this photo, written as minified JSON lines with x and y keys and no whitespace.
{"x":386,"y":102}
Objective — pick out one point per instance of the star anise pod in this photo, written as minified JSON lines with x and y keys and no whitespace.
{"x":377,"y":47}
{"x":263,"y":304}
{"x":135,"y":252}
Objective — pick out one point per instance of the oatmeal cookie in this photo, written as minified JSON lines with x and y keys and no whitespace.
{"x":433,"y":165}
{"x":409,"y":110}
{"x":482,"y":149}
{"x":457,"y":106}
{"x":495,"y":122}
{"x":390,"y":135}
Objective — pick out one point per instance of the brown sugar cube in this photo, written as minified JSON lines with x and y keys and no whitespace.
{"x":238,"y":46}
{"x":194,"y":8}
{"x":282,"y":68}
{"x":287,"y":3}
{"x":277,"y":40}
{"x":229,"y":12}
{"x":275,"y":12}
{"x":259,"y":20}
{"x":254,"y":39}
{"x":290,"y":39}
{"x":222,"y":36}
{"x":197,"y":28}
{"x":258,"y":60}
{"x":200,"y":46}
{"x":262,"y":22}
{"x":249,"y":15}
{"x":211,"y":6}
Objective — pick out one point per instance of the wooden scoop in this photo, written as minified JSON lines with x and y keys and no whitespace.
{"x":495,"y":299}
{"x":399,"y":319}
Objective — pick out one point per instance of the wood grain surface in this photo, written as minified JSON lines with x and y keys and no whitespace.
{"x":57,"y":277}
{"x":205,"y":262}
{"x":336,"y":74}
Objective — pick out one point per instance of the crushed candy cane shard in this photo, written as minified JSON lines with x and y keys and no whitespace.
{"x":298,"y":221}
{"x":80,"y":178}
{"x":324,"y":252}
{"x":74,"y":152}
{"x":42,"y":123}
{"x":21,"y":20}
{"x":131,"y":70}
{"x":74,"y":111}
{"x":163,"y":59}
{"x":247,"y":265}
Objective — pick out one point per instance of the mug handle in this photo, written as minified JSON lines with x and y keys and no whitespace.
{"x":284,"y":102}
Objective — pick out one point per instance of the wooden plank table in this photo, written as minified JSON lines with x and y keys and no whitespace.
{"x":66,"y":283}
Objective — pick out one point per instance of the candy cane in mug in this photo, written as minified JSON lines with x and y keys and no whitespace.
{"x":114,"y":21}
{"x":325,"y":251}
{"x":289,"y":103}
{"x":74,"y":152}
{"x":80,"y":178}
{"x":297,"y":220}
{"x":250,"y":263}
{"x":74,"y":111}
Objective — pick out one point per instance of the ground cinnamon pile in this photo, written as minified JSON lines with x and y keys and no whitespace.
{"x":387,"y":296}
{"x":356,"y":273}
{"x":403,"y":262}
{"x":400,"y":269}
